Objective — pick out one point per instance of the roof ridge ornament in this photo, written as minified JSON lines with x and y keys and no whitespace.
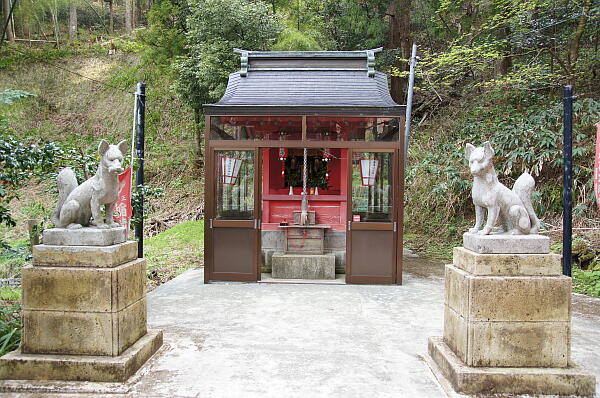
{"x":243,"y":61}
{"x":371,"y":62}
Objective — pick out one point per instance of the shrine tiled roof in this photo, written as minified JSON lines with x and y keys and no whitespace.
{"x":310,"y":83}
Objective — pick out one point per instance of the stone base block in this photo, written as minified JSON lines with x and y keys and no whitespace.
{"x":572,"y":381}
{"x":83,"y":333}
{"x":504,"y":243}
{"x":303,"y":266}
{"x":507,"y":264}
{"x":83,"y":289}
{"x":508,"y":344}
{"x":84,"y":236}
{"x":19,"y":366}
{"x":84,"y":256}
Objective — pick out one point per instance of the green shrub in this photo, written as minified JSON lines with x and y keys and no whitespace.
{"x":586,"y":282}
{"x":10,"y":327}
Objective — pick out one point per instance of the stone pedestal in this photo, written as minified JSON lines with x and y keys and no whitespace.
{"x":84,"y":309}
{"x":303,"y":266}
{"x":507,"y":320}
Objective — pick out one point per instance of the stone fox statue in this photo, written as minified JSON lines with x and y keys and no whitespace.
{"x":513,"y":209}
{"x":79,"y":206}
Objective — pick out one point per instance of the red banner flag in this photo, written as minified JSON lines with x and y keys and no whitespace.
{"x":597,"y":166}
{"x":123,"y":211}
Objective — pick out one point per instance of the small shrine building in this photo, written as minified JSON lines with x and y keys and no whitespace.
{"x":305,"y":171}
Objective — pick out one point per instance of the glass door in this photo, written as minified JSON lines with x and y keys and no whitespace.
{"x":372,"y":226}
{"x":234,"y":223}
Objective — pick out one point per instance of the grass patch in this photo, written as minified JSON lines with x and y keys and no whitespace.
{"x":14,"y":258}
{"x":9,"y":293}
{"x":431,"y":247}
{"x":174,"y":251}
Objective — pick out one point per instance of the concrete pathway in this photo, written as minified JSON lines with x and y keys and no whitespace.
{"x":282,"y":340}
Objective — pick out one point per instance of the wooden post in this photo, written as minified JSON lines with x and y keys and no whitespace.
{"x":34,"y":234}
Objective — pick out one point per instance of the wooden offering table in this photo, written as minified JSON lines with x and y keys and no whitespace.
{"x":305,"y":239}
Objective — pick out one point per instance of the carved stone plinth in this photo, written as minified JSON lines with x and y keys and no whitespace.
{"x":507,"y":322}
{"x":84,"y":311}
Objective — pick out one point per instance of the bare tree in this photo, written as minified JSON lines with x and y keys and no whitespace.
{"x":6,"y":5}
{"x":111,"y":17}
{"x":128,"y":16}
{"x":72,"y":20}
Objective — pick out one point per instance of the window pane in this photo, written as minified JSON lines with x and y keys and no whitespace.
{"x":235,"y":185}
{"x":372,"y":195}
{"x":255,"y":128}
{"x":337,"y":128}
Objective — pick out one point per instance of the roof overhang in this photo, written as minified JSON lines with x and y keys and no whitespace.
{"x":307,"y":83}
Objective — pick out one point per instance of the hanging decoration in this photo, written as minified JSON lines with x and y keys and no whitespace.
{"x":230,"y":169}
{"x":368,"y":171}
{"x":283,"y":154}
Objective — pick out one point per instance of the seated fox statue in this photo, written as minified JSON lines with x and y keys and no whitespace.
{"x":80,"y":206}
{"x":511,"y":209}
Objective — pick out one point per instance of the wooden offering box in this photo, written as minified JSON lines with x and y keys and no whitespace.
{"x":304,"y":239}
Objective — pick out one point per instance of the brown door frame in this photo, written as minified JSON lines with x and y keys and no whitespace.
{"x":210,"y":213}
{"x":396,"y":225}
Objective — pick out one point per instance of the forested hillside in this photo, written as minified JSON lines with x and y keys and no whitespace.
{"x":488,"y":70}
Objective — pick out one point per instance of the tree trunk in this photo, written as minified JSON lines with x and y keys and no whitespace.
{"x":138,"y":13}
{"x":573,"y":53}
{"x":7,"y":17}
{"x":54,"y":14}
{"x":111,"y":18}
{"x":128,"y":15}
{"x":72,"y":21}
{"x":399,"y":12}
{"x":503,"y":65}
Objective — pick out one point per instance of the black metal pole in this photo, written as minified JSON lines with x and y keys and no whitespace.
{"x":567,"y":179}
{"x":139,"y":176}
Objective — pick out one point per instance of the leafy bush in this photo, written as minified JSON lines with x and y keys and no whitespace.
{"x":10,"y":327}
{"x":586,"y":282}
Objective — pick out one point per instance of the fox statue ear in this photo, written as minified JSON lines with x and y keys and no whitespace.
{"x":103,"y":147}
{"x":469,"y":150}
{"x":487,"y":149}
{"x":122,"y":146}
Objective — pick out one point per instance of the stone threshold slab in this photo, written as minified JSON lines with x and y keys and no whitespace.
{"x":18,"y":366}
{"x":340,"y":279}
{"x":506,"y":244}
{"x":571,"y":381}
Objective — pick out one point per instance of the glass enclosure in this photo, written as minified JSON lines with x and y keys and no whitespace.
{"x":318,"y":128}
{"x":338,"y":128}
{"x":256,"y":128}
{"x":372,"y":195}
{"x":234,"y":185}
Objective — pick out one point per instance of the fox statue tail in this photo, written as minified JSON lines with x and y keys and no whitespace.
{"x":67,"y":182}
{"x":524,"y":188}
